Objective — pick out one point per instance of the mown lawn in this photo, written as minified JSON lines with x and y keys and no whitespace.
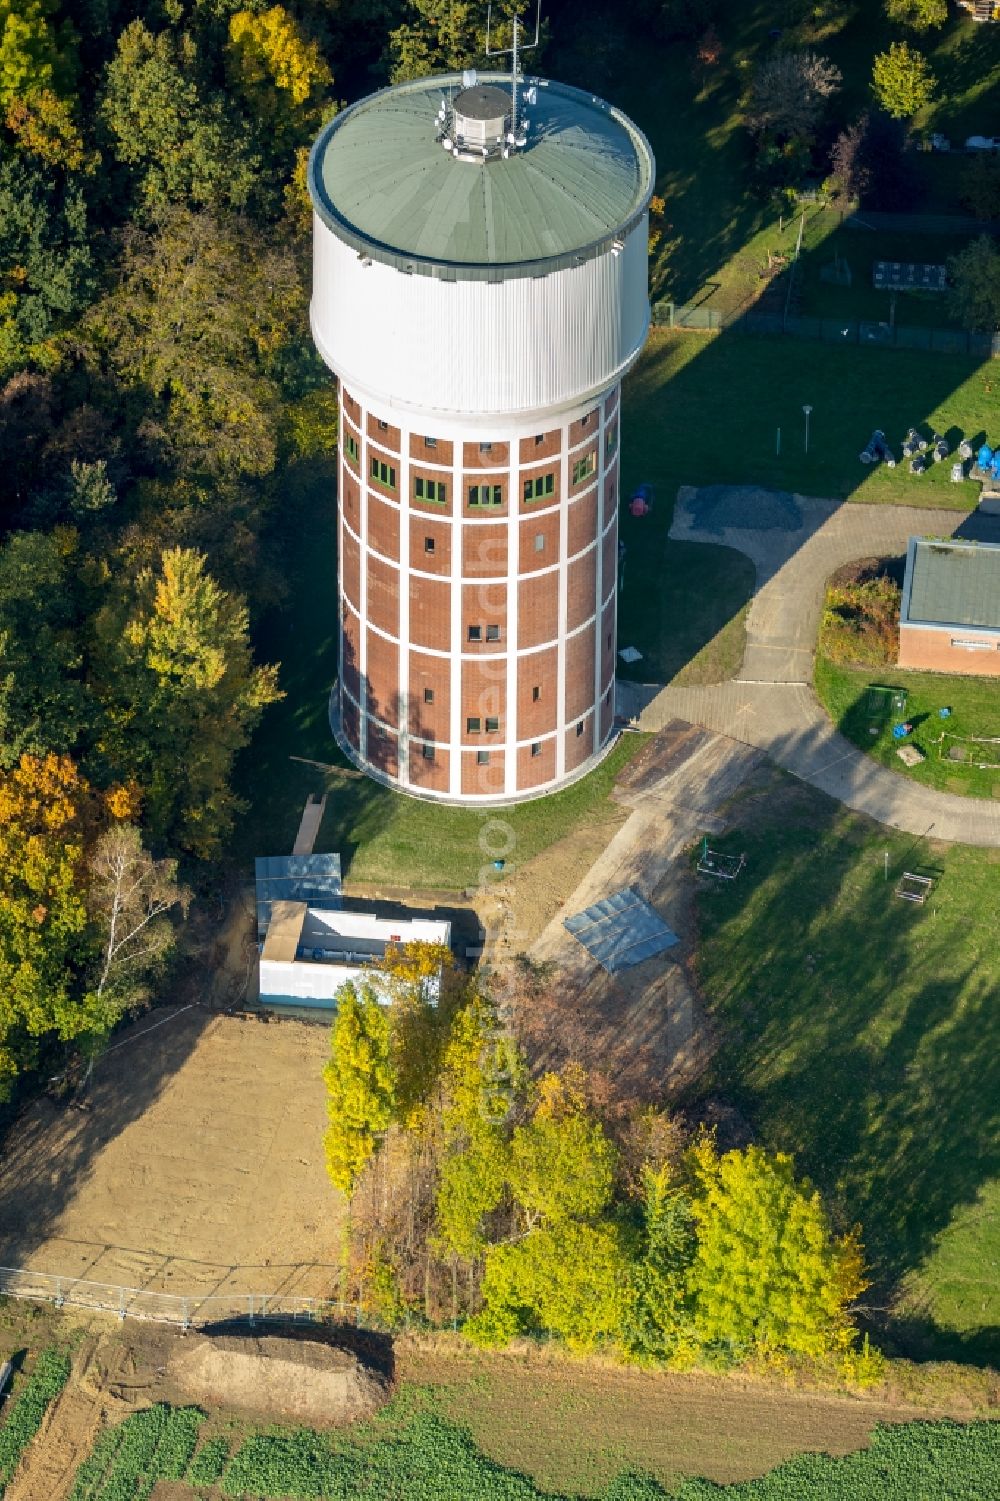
{"x":975,"y":710}
{"x":861,"y":1033}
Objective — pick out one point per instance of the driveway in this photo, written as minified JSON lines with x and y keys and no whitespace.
{"x":795,"y":544}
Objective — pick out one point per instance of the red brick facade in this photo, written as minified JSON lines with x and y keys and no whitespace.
{"x":478,"y":584}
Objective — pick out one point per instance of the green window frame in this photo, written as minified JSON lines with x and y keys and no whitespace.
{"x":430,"y":489}
{"x":383,"y":472}
{"x":485,"y":495}
{"x":351,"y":445}
{"x":539,"y":488}
{"x":583,"y":468}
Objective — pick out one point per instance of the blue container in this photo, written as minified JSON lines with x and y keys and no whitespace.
{"x":984,"y":457}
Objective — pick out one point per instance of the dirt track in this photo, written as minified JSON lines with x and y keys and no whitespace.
{"x":198,"y":1168}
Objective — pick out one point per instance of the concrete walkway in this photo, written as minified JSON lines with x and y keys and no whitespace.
{"x":771,"y":704}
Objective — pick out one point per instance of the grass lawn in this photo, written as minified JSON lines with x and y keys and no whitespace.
{"x":861,"y":1033}
{"x":975,"y":706}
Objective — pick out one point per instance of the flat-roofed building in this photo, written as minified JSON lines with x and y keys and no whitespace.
{"x":950,"y":615}
{"x":309,"y":954}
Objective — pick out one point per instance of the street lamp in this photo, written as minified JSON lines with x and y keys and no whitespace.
{"x":807,"y":410}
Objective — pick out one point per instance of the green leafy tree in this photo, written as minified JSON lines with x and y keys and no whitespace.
{"x":975,"y":285}
{"x":980,"y":185}
{"x":902,"y":81}
{"x":207,"y":320}
{"x":46,"y":258}
{"x":917,"y":15}
{"x":768,"y":1276}
{"x":44,"y":705}
{"x":170,"y":127}
{"x":174,"y":671}
{"x":659,"y":1320}
{"x":360,"y":1085}
{"x":44,"y":927}
{"x":562,"y":1163}
{"x":570,"y":1281}
{"x":441,"y":36}
{"x":29,"y":55}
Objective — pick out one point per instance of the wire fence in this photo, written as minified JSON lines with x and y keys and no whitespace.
{"x":983,"y":346}
{"x":173,"y":1308}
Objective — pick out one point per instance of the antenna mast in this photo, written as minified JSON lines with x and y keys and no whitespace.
{"x":516,"y":48}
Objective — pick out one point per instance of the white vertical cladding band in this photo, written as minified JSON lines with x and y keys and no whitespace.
{"x":513,"y":603}
{"x":599,"y":569}
{"x":455,"y":662}
{"x":562,"y":606}
{"x":363,"y":586}
{"x":403,"y":607}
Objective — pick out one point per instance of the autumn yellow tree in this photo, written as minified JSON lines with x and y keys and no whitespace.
{"x":360,"y":1084}
{"x":281,"y":71}
{"x":45,"y":944}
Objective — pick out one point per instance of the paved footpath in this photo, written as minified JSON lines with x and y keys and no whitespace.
{"x":771,"y":704}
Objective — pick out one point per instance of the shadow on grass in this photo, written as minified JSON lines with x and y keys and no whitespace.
{"x":860,"y":1032}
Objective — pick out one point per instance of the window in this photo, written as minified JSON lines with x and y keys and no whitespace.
{"x":536,"y":747}
{"x":473,"y":725}
{"x":383,"y":427}
{"x":384,"y":473}
{"x":535,"y":489}
{"x":428,"y":695}
{"x":583,"y":468}
{"x":971,"y":645}
{"x":539,"y":439}
{"x":610,"y":439}
{"x":539,"y":542}
{"x":579,"y":729}
{"x":430,"y":442}
{"x":482,"y":758}
{"x":475,"y":633}
{"x":492,"y":725}
{"x":486,"y":448}
{"x":351,"y":445}
{"x":585,"y":420}
{"x":430,"y":489}
{"x":493,"y":633}
{"x":536,"y":694}
{"x":485,"y":495}
{"x":429,"y":544}
{"x":428,"y":752}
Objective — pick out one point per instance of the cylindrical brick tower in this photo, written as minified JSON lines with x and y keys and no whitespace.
{"x":479,"y":290}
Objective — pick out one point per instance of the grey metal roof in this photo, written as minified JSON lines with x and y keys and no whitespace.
{"x":954,"y":583}
{"x":621,"y":930}
{"x":382,"y":182}
{"x":313,"y":879}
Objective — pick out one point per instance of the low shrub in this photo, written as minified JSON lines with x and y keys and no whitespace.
{"x":861,"y":622}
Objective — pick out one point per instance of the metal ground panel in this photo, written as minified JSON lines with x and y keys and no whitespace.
{"x":621,"y":930}
{"x":313,"y":879}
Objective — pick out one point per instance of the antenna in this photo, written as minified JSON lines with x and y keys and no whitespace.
{"x":514,"y":49}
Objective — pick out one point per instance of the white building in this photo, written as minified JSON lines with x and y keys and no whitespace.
{"x":309,"y":954}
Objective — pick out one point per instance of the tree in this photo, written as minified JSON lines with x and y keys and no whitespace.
{"x":917,"y":15}
{"x":562,"y":1163}
{"x":849,"y":161}
{"x":29,"y":56}
{"x":789,"y":91}
{"x":207,"y":320}
{"x":902,"y":81}
{"x":980,"y":185}
{"x":42,"y":124}
{"x":445,"y":35}
{"x":768,"y":1275}
{"x":659,"y":1321}
{"x":45,"y":250}
{"x":360,"y":1085}
{"x":87,"y":490}
{"x":44,"y":705}
{"x":173,"y":668}
{"x":44,"y":928}
{"x":975,"y":290}
{"x":129,"y":897}
{"x":282,"y":73}
{"x":173,"y":130}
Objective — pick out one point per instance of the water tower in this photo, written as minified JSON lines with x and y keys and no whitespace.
{"x":480,"y":289}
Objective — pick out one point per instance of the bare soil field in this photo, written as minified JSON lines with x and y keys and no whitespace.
{"x":196,"y":1168}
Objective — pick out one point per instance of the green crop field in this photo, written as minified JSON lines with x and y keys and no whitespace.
{"x":975,"y":710}
{"x":425,"y":1458}
{"x":860,"y":1032}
